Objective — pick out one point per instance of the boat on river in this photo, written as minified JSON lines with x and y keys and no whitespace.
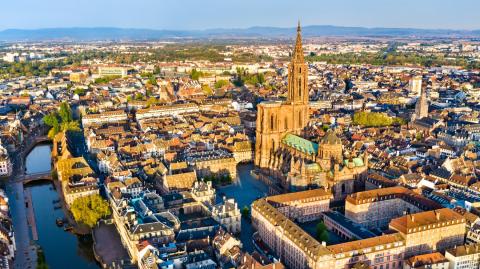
{"x":59,"y":222}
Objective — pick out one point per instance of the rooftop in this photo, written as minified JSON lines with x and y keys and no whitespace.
{"x":429,"y":219}
{"x":300,"y":144}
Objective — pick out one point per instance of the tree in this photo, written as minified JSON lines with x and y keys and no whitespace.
{"x":41,"y":261}
{"x":322,"y":232}
{"x":79,"y":91}
{"x":375,"y":119}
{"x":207,"y":90}
{"x":89,"y":209}
{"x":245,"y":212}
{"x":152,"y":101}
{"x":152,"y":80}
{"x":52,"y":121}
{"x":65,"y":112}
{"x":70,"y":126}
{"x":138,"y":96}
{"x":195,"y":75}
{"x":261,"y":78}
{"x":221,"y":83}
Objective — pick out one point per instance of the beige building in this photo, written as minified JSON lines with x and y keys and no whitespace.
{"x":414,"y":234}
{"x":376,"y":208}
{"x":77,"y":179}
{"x":385,"y":251}
{"x":464,"y":257}
{"x":433,"y":260}
{"x":104,"y":117}
{"x":227,"y":214}
{"x":276,"y":119}
{"x":430,"y":231}
{"x":121,"y":71}
{"x":217,"y":167}
{"x":302,"y":206}
{"x":203,"y":192}
{"x":293,"y":246}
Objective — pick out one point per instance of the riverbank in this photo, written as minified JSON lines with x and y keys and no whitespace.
{"x":78,"y":229}
{"x":62,"y":249}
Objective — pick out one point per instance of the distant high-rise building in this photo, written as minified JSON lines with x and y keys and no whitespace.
{"x":415,"y":85}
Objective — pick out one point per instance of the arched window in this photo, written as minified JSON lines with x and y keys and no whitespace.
{"x":300,"y":118}
{"x":271,"y":122}
{"x":300,"y":87}
{"x":286,"y":122}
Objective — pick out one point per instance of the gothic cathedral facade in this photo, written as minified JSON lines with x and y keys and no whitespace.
{"x":276,"y":119}
{"x":282,"y":152}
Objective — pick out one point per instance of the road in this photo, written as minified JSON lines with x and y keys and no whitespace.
{"x":25,"y":256}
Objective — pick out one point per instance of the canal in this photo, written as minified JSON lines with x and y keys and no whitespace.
{"x":62,"y":249}
{"x":66,"y":250}
{"x":245,"y":190}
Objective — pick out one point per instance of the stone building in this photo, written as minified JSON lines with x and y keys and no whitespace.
{"x":464,"y":257}
{"x":421,"y":107}
{"x":302,"y":206}
{"x":299,"y":163}
{"x":375,"y":208}
{"x":409,"y":235}
{"x":430,"y":231}
{"x":276,"y":119}
{"x":227,"y":214}
{"x":203,"y":192}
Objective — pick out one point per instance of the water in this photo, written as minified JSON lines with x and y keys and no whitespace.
{"x":245,"y":190}
{"x":38,"y":160}
{"x":62,"y":249}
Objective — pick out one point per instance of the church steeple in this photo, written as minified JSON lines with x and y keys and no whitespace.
{"x":297,"y":73}
{"x":298,"y":51}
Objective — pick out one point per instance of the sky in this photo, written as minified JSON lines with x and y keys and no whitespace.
{"x":207,"y":14}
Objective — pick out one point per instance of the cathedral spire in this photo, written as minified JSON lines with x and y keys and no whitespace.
{"x":298,"y":51}
{"x":297,"y":74}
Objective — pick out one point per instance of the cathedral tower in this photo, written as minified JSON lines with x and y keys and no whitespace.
{"x":298,"y":74}
{"x":421,"y":107}
{"x":275,"y":119}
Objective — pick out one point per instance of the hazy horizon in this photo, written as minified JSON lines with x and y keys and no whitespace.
{"x":188,"y":15}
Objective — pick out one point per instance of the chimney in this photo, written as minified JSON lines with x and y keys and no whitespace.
{"x":412,"y":217}
{"x":437,"y":214}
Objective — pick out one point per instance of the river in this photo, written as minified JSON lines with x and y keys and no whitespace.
{"x":62,"y":249}
{"x":65,"y":250}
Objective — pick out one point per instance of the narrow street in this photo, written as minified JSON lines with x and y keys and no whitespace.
{"x":25,"y":256}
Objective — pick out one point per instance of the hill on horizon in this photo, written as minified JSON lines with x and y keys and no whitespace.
{"x":113,"y":33}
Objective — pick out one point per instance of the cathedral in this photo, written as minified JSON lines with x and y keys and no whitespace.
{"x":299,"y":163}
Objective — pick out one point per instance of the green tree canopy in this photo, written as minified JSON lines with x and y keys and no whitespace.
{"x":89,"y":209}
{"x":61,"y":120}
{"x":207,"y":90}
{"x":195,"y":75}
{"x":79,"y":91}
{"x":245,"y":212}
{"x":221,"y":83}
{"x":322,"y":232}
{"x":375,"y":119}
{"x":65,"y":112}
